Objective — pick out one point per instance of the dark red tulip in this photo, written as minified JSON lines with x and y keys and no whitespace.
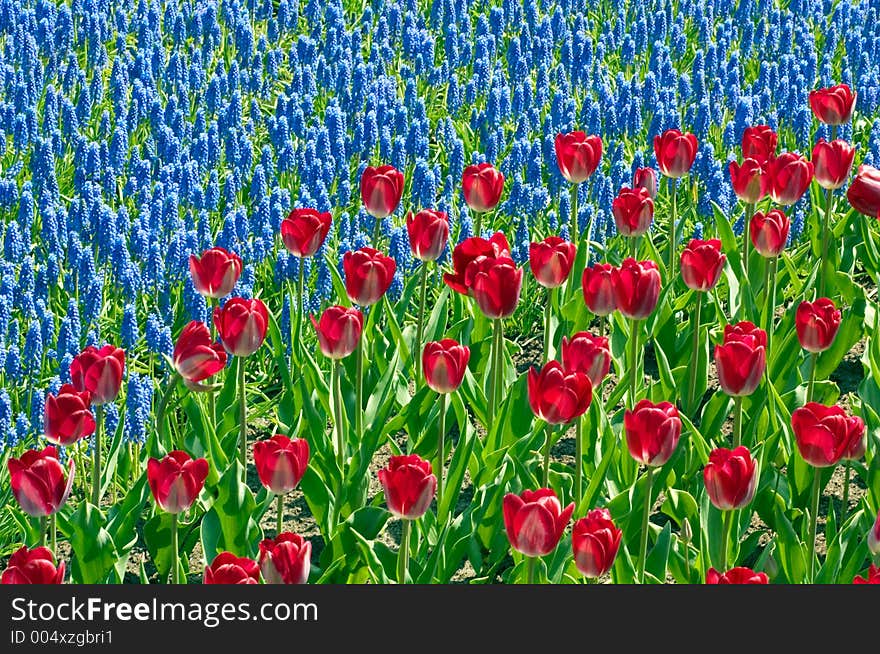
{"x":633,"y":211}
{"x":428,"y":234}
{"x":675,"y":152}
{"x":495,"y":284}
{"x":551,"y":261}
{"x":304,"y":231}
{"x":557,"y":396}
{"x":409,"y":485}
{"x":339,"y":331}
{"x":730,"y":477}
{"x":817,"y":324}
{"x":858,"y":445}
{"x":873,"y":576}
{"x":594,"y":542}
{"x":864,"y":192}
{"x":381,"y":189}
{"x":99,"y":371}
{"x":470,"y":250}
{"x":646,"y":178}
{"x":636,"y":288}
{"x":736,"y":576}
{"x":281,"y":462}
{"x":587,"y":354}
{"x":833,"y":105}
{"x":759,"y":143}
{"x":482,"y":185}
{"x":597,"y":283}
{"x":577,"y":155}
{"x":176,"y":480}
{"x":285,"y":559}
{"x":652,"y":432}
{"x":832,"y":162}
{"x":67,"y":417}
{"x":444,"y":364}
{"x":230,"y":569}
{"x":38,"y":483}
{"x":215,"y":273}
{"x":748,"y":180}
{"x":741,"y":359}
{"x":789,"y":175}
{"x":874,"y":537}
{"x":535,"y":521}
{"x":825,"y":433}
{"x":368,"y":274}
{"x":196,"y":357}
{"x":36,"y":566}
{"x":769,"y":232}
{"x":242,"y":325}
{"x":702,"y":263}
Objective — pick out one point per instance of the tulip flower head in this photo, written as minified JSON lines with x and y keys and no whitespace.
{"x":759,"y":143}
{"x":67,"y":416}
{"x":558,"y":396}
{"x":196,"y":357}
{"x":381,"y":189}
{"x":304,"y":231}
{"x":551,"y":261}
{"x":99,"y":371}
{"x":825,"y":433}
{"x":368,"y":274}
{"x":482,"y":185}
{"x":445,"y":364}
{"x":285,"y":559}
{"x":636,"y":288}
{"x":577,"y":155}
{"x":176,"y":480}
{"x":675,"y":152}
{"x":730,"y":477}
{"x":339,"y":331}
{"x":833,"y":105}
{"x":33,"y":566}
{"x":428,"y":233}
{"x":652,"y":432}
{"x":817,"y":324}
{"x":242,"y":325}
{"x":281,"y":462}
{"x":597,"y":283}
{"x":594,"y":542}
{"x":38,"y":482}
{"x":769,"y":232}
{"x":741,"y":359}
{"x":535,"y":521}
{"x":736,"y":576}
{"x":588,"y":354}
{"x":215,"y":273}
{"x":227,"y":568}
{"x":864,"y":192}
{"x":409,"y":486}
{"x":702,"y":263}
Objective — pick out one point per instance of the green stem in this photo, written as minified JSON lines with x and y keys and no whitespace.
{"x":441,"y":449}
{"x":548,"y":310}
{"x":737,"y":421}
{"x":336,"y":389}
{"x":212,"y":400}
{"x":403,"y":552}
{"x":493,"y":363}
{"x":646,"y":513}
{"x":727,"y":523}
{"x":633,"y":360}
{"x":765,"y":287}
{"x":499,"y":362}
{"x":162,"y":408}
{"x":813,"y":358}
{"x":530,"y":569}
{"x":96,"y":456}
{"x":579,"y":458}
{"x":671,"y":187}
{"x":602,"y":326}
{"x":376,"y":227}
{"x":300,"y":311}
{"x":574,"y":214}
{"x":359,"y":389}
{"x":829,"y":204}
{"x":478,"y":225}
{"x":547,"y":444}
{"x":175,"y":548}
{"x":692,"y":387}
{"x":423,"y":299}
{"x":43,"y":530}
{"x":844,"y":509}
{"x":279,"y":522}
{"x":747,"y":214}
{"x":814,"y":523}
{"x":53,"y":530}
{"x":242,"y":420}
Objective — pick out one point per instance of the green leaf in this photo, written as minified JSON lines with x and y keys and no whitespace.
{"x":233,"y":511}
{"x":93,"y":547}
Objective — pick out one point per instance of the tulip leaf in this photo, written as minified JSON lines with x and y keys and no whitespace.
{"x":231,"y":519}
{"x":657,"y":560}
{"x":93,"y":547}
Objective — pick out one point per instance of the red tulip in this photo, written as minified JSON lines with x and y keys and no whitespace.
{"x":587,"y":354}
{"x":874,"y":537}
{"x":38,"y":483}
{"x":825,"y":433}
{"x":176,"y":480}
{"x":482,"y":185}
{"x":535,"y":521}
{"x":577,"y":155}
{"x":675,"y":152}
{"x":832,"y":162}
{"x":730,"y":478}
{"x":636,"y":288}
{"x":428,"y":233}
{"x":736,"y":576}
{"x":381,"y":189}
{"x":858,"y":445}
{"x":741,"y":359}
{"x":99,"y":371}
{"x":495,"y":284}
{"x":368,"y":274}
{"x":597,"y":283}
{"x":409,"y":486}
{"x":551,"y":261}
{"x":873,"y":576}
{"x":759,"y":143}
{"x":215,"y":273}
{"x":242,"y":325}
{"x":834,"y":105}
{"x":281,"y":462}
{"x":67,"y":416}
{"x":789,"y":175}
{"x":652,"y":432}
{"x":445,"y":363}
{"x":304,"y":231}
{"x":339,"y":331}
{"x":646,"y":178}
{"x":36,"y":566}
{"x":769,"y":232}
{"x":195,"y":357}
{"x":230,"y":569}
{"x":285,"y":559}
{"x":470,"y":250}
{"x":557,"y":396}
{"x":748,"y":180}
{"x":633,"y":211}
{"x":864,"y":192}
{"x":595,"y":541}
{"x":702,"y":263}
{"x":817,"y":324}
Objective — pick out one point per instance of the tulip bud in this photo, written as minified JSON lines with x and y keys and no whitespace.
{"x":817,"y":324}
{"x":636,"y":288}
{"x":789,"y":175}
{"x":769,"y":232}
{"x":36,"y":566}
{"x":825,"y":433}
{"x":468,"y":251}
{"x":652,"y":432}
{"x":646,"y":178}
{"x":281,"y":462}
{"x":864,"y":192}
{"x":633,"y":211}
{"x":701,"y":264}
{"x":687,"y":533}
{"x":482,"y":185}
{"x":368,"y":274}
{"x":176,"y":480}
{"x":215,"y":273}
{"x":304,"y":230}
{"x":587,"y":354}
{"x":748,"y":180}
{"x":759,"y":143}
{"x":230,"y":569}
{"x":577,"y":155}
{"x":832,"y":162}
{"x":409,"y":486}
{"x":285,"y":559}
{"x":675,"y":152}
{"x":38,"y":483}
{"x":736,"y":576}
{"x":551,"y":261}
{"x":445,"y":364}
{"x":535,"y":521}
{"x":67,"y":417}
{"x":99,"y":371}
{"x":557,"y":396}
{"x":242,"y":325}
{"x":428,"y":233}
{"x":597,"y":283}
{"x":730,"y":477}
{"x":595,"y":541}
{"x":339,"y":331}
{"x":833,"y":105}
{"x":381,"y":189}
